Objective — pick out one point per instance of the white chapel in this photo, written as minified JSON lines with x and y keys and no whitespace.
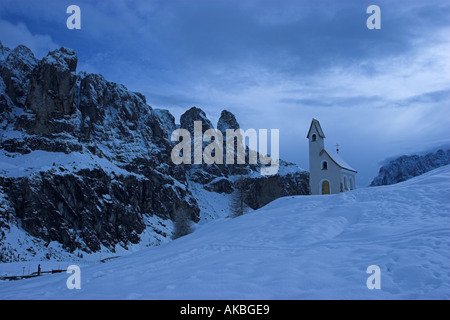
{"x":328,"y":172}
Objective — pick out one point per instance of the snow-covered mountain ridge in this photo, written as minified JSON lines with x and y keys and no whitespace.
{"x":296,"y":247}
{"x":85,"y":163}
{"x":408,"y":166}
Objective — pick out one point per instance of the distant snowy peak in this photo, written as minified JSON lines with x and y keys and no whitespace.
{"x":408,"y":166}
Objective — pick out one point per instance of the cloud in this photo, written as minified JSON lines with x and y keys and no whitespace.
{"x":273,"y":64}
{"x":13,"y":35}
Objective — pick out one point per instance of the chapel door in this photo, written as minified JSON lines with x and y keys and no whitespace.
{"x":325,"y":187}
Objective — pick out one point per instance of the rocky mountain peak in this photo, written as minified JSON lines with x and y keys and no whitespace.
{"x":226,"y":121}
{"x":63,"y":58}
{"x":52,"y":86}
{"x":4,"y":51}
{"x":15,"y":70}
{"x":195,"y":114}
{"x":21,"y":56}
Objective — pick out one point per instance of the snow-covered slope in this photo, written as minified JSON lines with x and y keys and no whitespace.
{"x":301,"y":247}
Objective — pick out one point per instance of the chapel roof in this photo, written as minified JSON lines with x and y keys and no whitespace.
{"x":338,"y":160}
{"x":316,"y":124}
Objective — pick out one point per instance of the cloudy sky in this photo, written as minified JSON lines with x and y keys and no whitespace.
{"x":274,"y":64}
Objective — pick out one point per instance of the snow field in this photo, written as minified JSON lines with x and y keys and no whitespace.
{"x":302,"y":247}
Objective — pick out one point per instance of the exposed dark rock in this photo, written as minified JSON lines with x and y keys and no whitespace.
{"x":51,"y":90}
{"x":220,"y":185}
{"x":265,"y":189}
{"x":194,"y":114}
{"x":226,"y":121}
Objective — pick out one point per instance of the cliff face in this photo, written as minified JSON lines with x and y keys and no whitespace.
{"x":86,"y":163}
{"x":408,"y":166}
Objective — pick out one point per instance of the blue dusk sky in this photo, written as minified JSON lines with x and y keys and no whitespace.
{"x":274,"y":64}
